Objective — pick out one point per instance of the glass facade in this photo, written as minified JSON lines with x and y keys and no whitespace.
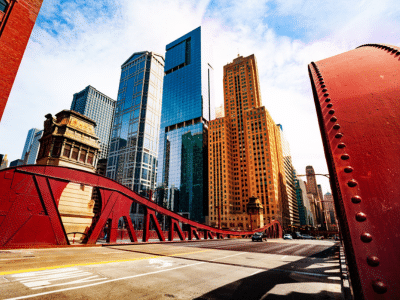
{"x":187,"y":106}
{"x":34,"y":149}
{"x":132,"y":160}
{"x":29,"y":141}
{"x":100,"y":108}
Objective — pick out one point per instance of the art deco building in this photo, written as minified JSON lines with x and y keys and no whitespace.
{"x":187,"y":107}
{"x":245,"y":154}
{"x":314,"y":197}
{"x":100,"y":108}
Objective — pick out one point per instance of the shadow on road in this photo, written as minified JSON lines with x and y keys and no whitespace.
{"x":280,"y":283}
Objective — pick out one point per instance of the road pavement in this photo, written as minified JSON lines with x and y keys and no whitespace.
{"x":211,"y":269}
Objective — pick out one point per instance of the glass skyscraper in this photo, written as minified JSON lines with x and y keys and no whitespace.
{"x":34,"y":148}
{"x":29,"y":141}
{"x":187,"y":107}
{"x":100,"y":108}
{"x":132,"y":160}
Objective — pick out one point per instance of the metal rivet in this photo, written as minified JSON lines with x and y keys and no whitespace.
{"x":361,"y":217}
{"x":327,"y":99}
{"x":336,"y":126}
{"x":325,"y":90}
{"x":348,"y":169}
{"x":321,"y":81}
{"x":379,"y":287}
{"x":366,"y":237}
{"x":338,"y":135}
{"x":329,"y":105}
{"x":341,"y":145}
{"x":333,"y":119}
{"x":356,"y":199}
{"x":326,"y":94}
{"x":323,"y":85}
{"x":373,"y":261}
{"x":352,"y":183}
{"x":332,"y":111}
{"x":345,"y":157}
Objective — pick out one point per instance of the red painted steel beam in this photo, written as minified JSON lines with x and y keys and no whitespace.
{"x":357,"y":101}
{"x":16,"y":25}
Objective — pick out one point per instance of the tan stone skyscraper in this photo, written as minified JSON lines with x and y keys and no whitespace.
{"x":244,"y":153}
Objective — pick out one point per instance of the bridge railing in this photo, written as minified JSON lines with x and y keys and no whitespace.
{"x":29,"y":214}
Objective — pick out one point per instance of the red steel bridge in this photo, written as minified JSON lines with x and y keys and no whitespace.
{"x":357,"y":100}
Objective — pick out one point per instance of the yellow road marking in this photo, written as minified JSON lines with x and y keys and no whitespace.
{"x":95,"y":263}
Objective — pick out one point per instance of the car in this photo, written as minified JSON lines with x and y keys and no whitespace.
{"x":287,"y":237}
{"x":258,"y":236}
{"x":307,"y":237}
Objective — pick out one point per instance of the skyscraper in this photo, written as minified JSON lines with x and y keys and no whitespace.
{"x":187,"y":107}
{"x":245,"y":153}
{"x":28,"y":142}
{"x":34,"y":148}
{"x":100,"y":108}
{"x":134,"y":141}
{"x":314,"y":196}
{"x":290,"y":210}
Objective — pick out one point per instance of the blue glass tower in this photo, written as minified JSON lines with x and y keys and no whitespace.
{"x":187,"y":107}
{"x":28,"y":142}
{"x":100,"y":108}
{"x":132,"y":159}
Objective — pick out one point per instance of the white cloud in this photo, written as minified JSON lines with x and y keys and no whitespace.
{"x":82,"y":43}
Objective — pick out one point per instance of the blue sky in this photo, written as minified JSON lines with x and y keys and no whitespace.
{"x":77,"y":43}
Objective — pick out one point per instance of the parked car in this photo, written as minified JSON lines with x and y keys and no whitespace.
{"x":287,"y":237}
{"x":308,"y":237}
{"x":258,"y":236}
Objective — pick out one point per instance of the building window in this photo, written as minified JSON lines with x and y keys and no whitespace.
{"x":75,"y":153}
{"x":82,"y":157}
{"x":56,"y":148}
{"x":90,"y":158}
{"x":67,"y":150}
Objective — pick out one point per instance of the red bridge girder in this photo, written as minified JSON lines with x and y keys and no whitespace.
{"x":29,"y":216}
{"x":357,"y":98}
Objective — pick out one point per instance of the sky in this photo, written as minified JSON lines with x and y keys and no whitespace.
{"x":79,"y":43}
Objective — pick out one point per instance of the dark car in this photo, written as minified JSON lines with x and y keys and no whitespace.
{"x":258,"y":236}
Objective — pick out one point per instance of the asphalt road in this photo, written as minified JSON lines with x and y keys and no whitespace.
{"x":223,"y":269}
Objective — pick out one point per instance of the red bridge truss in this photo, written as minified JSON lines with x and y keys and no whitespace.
{"x":29,"y":215}
{"x":357,"y":98}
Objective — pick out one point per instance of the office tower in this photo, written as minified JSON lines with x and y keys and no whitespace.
{"x":244,"y":152}
{"x":305,"y":215}
{"x":315,"y":201}
{"x":28,"y":143}
{"x":134,"y":142}
{"x":32,"y":154}
{"x":100,"y":108}
{"x":330,"y":210}
{"x":17,"y":19}
{"x":187,"y":107}
{"x":290,"y":213}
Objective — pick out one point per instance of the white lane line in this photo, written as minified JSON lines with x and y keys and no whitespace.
{"x":116,"y":279}
{"x":88,"y":279}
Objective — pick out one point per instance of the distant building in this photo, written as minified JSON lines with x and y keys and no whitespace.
{"x":17,"y":19}
{"x":305,"y":214}
{"x":28,"y":142}
{"x":330,"y":211}
{"x":312,"y":188}
{"x":32,"y":154}
{"x":187,"y":107}
{"x":3,"y":161}
{"x":17,"y":162}
{"x":100,"y":108}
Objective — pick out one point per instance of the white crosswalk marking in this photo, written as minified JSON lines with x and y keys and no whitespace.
{"x":51,"y":278}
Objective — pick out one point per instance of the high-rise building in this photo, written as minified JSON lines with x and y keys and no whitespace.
{"x":305,"y":215}
{"x":245,"y":153}
{"x":315,"y":200}
{"x":17,"y":162}
{"x":3,"y":161}
{"x":28,"y":143}
{"x":330,"y":211}
{"x":133,"y":153}
{"x":290,"y":210}
{"x":219,"y":112}
{"x":100,"y":108}
{"x":34,"y":149}
{"x":17,"y":19}
{"x":187,"y":107}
